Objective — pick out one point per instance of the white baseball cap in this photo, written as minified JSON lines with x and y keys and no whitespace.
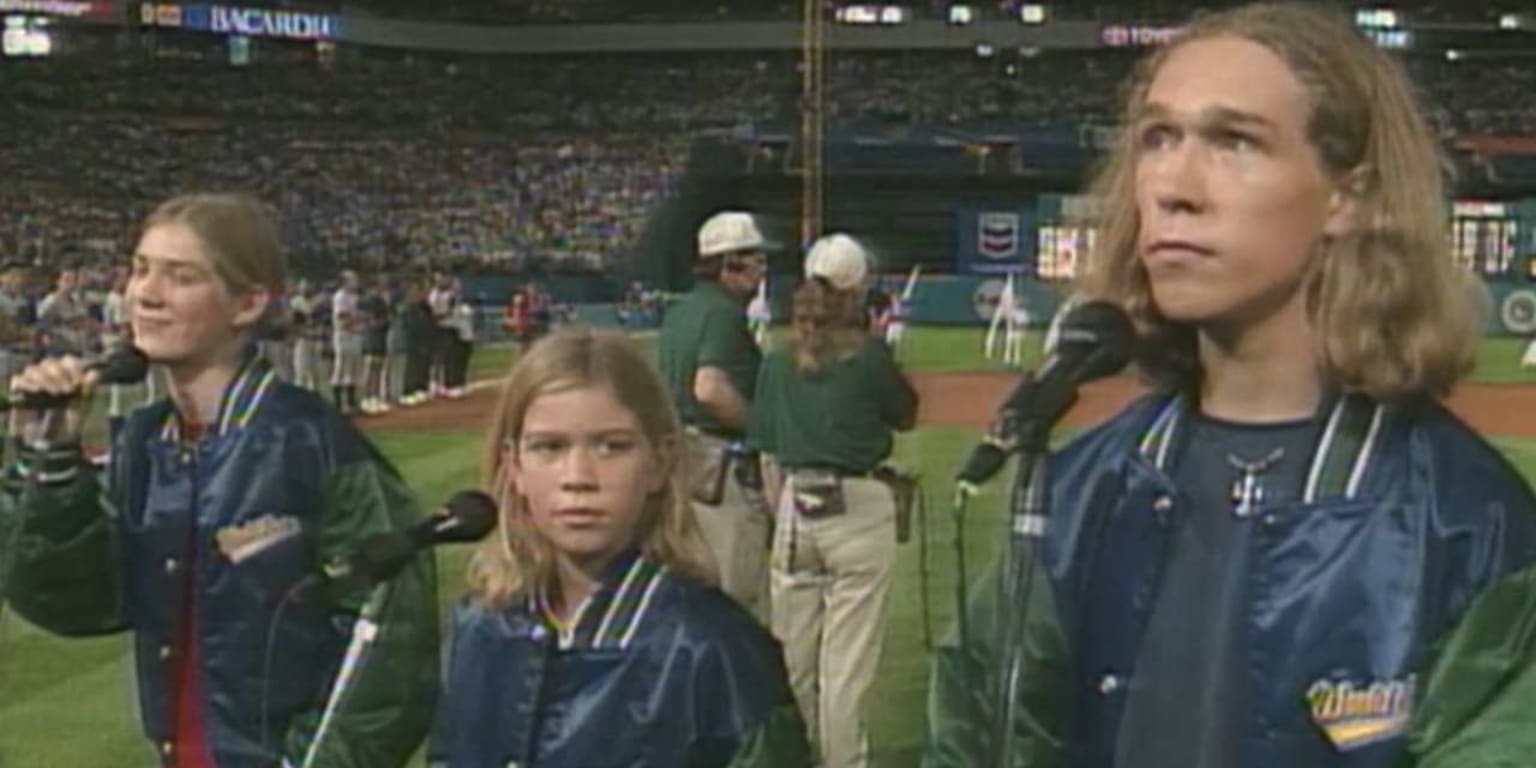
{"x":730,"y":231}
{"x":840,"y":260}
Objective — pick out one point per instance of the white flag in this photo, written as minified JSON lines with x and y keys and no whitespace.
{"x":999,"y":315}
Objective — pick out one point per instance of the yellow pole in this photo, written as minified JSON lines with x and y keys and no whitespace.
{"x":813,"y":55}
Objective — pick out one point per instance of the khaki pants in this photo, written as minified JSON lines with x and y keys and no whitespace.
{"x":830,"y":577}
{"x":347,"y":367}
{"x":736,"y":531}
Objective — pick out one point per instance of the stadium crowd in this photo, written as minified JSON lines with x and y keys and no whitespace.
{"x":549,"y":163}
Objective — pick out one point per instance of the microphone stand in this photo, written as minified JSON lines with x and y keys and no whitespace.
{"x":364,"y":632}
{"x":1029,"y":507}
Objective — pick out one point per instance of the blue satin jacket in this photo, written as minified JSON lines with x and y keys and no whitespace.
{"x":1390,"y":608}
{"x":278,"y":484}
{"x":656,"y":671}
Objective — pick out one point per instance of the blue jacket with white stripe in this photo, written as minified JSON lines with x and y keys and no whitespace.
{"x":217,"y":532}
{"x":655,"y":671}
{"x":1389,"y":609}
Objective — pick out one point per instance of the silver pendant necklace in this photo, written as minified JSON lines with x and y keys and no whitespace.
{"x":1248,"y":489}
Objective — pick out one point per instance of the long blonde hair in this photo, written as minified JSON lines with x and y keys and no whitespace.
{"x":826,"y":325}
{"x":507,"y":566}
{"x":1395,"y":317}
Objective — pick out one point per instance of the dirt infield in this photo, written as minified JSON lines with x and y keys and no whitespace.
{"x":473,"y":411}
{"x":969,"y":400}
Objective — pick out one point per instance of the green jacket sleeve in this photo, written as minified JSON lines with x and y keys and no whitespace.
{"x":381,"y":702}
{"x":1478,"y":696}
{"x":964,"y":679}
{"x":64,"y":570}
{"x":779,"y":742}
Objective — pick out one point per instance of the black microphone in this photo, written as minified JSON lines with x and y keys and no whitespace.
{"x":468,"y":516}
{"x":1095,"y":341}
{"x":123,"y":365}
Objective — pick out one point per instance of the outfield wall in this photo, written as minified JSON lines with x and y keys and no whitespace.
{"x":942,"y":300}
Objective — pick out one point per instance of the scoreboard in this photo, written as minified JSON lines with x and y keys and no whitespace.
{"x":1485,"y":239}
{"x":1060,"y":248}
{"x":1064,"y":235}
{"x":1494,"y":239}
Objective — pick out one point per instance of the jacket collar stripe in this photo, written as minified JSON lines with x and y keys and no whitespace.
{"x":1343,"y":453}
{"x":618,"y":598}
{"x":1363,"y":460}
{"x":610,"y":616}
{"x":1159,"y":438}
{"x":645,"y":604}
{"x":242,"y":396}
{"x":565,"y":632}
{"x":1315,"y":475}
{"x":249,"y":410}
{"x":232,"y":394}
{"x":629,"y":609}
{"x":1339,"y":461}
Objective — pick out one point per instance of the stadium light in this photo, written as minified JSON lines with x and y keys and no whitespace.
{"x":1376,"y":18}
{"x":1451,"y":54}
{"x":1032,"y":13}
{"x":961,"y":14}
{"x":26,"y":36}
{"x":985,"y":51}
{"x":1511,"y":21}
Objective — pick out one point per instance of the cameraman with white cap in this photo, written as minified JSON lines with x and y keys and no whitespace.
{"x":709,"y":360}
{"x":826,"y":406}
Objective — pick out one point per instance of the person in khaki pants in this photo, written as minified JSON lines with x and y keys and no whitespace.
{"x":709,"y":361}
{"x":825,"y":410}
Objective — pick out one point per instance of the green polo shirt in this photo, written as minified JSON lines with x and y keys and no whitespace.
{"x":839,"y":417}
{"x":706,"y":328}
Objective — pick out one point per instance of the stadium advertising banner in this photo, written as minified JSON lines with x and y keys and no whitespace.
{"x":95,"y":10}
{"x":248,"y":22}
{"x":991,"y":241}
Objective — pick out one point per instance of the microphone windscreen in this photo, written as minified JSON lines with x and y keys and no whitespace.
{"x":1100,"y":335}
{"x":470,"y":516}
{"x":125,"y":365}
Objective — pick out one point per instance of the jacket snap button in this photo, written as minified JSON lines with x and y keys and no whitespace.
{"x":1109,"y":684}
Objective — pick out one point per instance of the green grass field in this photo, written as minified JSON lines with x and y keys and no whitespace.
{"x":68,"y":703}
{"x":950,"y":350}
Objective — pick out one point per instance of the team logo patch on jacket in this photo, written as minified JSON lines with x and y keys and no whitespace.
{"x":248,"y":539}
{"x":1354,"y":715}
